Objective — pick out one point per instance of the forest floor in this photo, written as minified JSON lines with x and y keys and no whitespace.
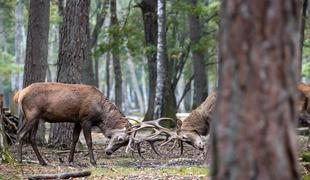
{"x":192,"y":165}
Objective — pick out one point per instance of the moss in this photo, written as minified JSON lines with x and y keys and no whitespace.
{"x":306,"y":177}
{"x":6,"y":155}
{"x":305,"y":156}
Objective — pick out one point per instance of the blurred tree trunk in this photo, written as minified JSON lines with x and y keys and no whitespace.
{"x":3,"y":45}
{"x":200,"y":75}
{"x":254,"y":129}
{"x":37,"y":50}
{"x":17,"y":79}
{"x":107,"y":70}
{"x":115,"y":56}
{"x":149,"y":14}
{"x":89,"y":70}
{"x":73,"y":53}
{"x":303,"y":17}
{"x":164,"y":90}
{"x":135,"y":83}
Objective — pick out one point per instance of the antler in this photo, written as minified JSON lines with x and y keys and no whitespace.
{"x":159,"y":133}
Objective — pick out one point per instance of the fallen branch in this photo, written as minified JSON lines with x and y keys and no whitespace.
{"x":65,"y":175}
{"x":303,"y":130}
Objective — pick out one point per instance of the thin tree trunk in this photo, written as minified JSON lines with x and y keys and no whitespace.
{"x":37,"y":50}
{"x":115,"y":57}
{"x":149,"y":14}
{"x":181,"y":88}
{"x":135,"y":83}
{"x":107,"y":70}
{"x":144,"y":90}
{"x":17,"y":79}
{"x":200,"y":75}
{"x":89,"y":70}
{"x":3,"y":45}
{"x":164,"y":91}
{"x":253,"y":135}
{"x":73,"y":52}
{"x":302,"y":35}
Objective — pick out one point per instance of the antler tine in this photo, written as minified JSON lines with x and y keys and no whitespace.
{"x":155,"y":122}
{"x":174,"y":145}
{"x":169,"y":140}
{"x":129,"y":145}
{"x":137,"y":121}
{"x":141,"y":126}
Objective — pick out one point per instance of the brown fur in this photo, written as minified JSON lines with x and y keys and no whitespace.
{"x":199,"y":119}
{"x":80,"y":104}
{"x":58,"y":102}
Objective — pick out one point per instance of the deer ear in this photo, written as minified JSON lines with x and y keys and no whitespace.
{"x":179,"y":123}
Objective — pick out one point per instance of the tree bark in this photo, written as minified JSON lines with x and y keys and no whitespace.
{"x":200,"y":75}
{"x":37,"y":50}
{"x":149,"y":14}
{"x":164,"y":90}
{"x":303,"y":18}
{"x":107,"y":70}
{"x":254,"y":128}
{"x":115,"y":56}
{"x":73,"y":52}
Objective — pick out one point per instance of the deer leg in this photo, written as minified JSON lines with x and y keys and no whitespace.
{"x":21,"y":135}
{"x":33,"y":134}
{"x":76,"y":135}
{"x":182,"y":148}
{"x":87,"y":134}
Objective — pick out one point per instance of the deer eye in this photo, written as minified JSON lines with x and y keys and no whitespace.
{"x":120,"y":139}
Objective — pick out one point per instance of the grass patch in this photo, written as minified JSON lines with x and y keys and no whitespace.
{"x":118,"y":171}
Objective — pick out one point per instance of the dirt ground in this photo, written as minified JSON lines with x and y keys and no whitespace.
{"x":191,"y":165}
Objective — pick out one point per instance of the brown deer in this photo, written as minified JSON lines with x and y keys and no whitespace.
{"x":197,"y":124}
{"x":83,"y":105}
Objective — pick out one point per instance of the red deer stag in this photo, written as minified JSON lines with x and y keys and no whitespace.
{"x":197,"y":124}
{"x":83,"y":105}
{"x":303,"y":107}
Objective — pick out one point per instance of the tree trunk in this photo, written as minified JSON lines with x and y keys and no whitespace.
{"x":164,"y":90}
{"x":73,"y":53}
{"x":3,"y":45}
{"x":37,"y":50}
{"x":135,"y":83}
{"x":89,"y":70}
{"x":200,"y":75}
{"x":115,"y":57}
{"x":17,"y":79}
{"x":107,"y":70}
{"x":254,"y":125}
{"x":149,"y":13}
{"x":302,"y":21}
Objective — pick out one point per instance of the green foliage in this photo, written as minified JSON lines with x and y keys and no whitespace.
{"x":7,"y":65}
{"x":54,"y":14}
{"x":305,"y":155}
